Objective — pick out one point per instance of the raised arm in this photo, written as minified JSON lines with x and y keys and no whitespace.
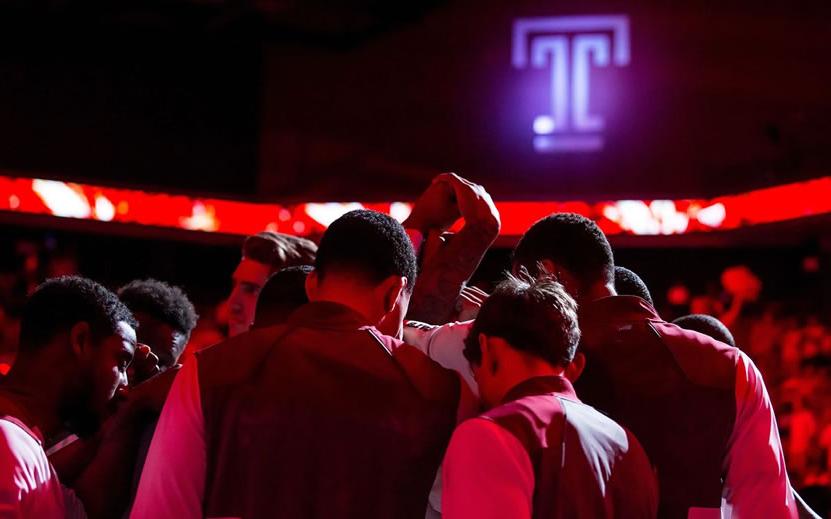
{"x":449,"y":262}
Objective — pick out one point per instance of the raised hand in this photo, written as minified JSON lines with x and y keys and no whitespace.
{"x":469,"y":303}
{"x":145,"y":365}
{"x":436,"y":209}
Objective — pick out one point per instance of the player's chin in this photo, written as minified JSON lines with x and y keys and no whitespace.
{"x":237,"y":326}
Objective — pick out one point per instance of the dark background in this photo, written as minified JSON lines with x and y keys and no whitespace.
{"x":328,"y":100}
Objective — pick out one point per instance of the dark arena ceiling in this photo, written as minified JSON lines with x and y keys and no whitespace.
{"x":337,"y":100}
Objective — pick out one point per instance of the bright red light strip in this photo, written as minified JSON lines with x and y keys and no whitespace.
{"x":636,"y":217}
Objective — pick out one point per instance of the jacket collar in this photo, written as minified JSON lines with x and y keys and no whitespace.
{"x":615,"y":308}
{"x":328,"y":315}
{"x":608,"y":315}
{"x":557,"y":385}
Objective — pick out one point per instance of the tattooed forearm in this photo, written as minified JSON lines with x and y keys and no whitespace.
{"x":444,"y":274}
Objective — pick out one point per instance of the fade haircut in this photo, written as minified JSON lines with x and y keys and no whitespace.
{"x":537,"y":317}
{"x":161,"y":301}
{"x":58,"y":304}
{"x":278,"y":250}
{"x":627,"y":283}
{"x":282,"y":294}
{"x":367,"y":243}
{"x":571,"y":241}
{"x":708,"y":325}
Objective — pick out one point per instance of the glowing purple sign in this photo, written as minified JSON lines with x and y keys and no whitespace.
{"x":570,"y":46}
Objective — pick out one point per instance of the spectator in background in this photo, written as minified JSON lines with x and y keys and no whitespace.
{"x":283,"y":293}
{"x":765,"y":338}
{"x":825,"y":437}
{"x":815,"y":339}
{"x":710,"y":302}
{"x":262,"y":255}
{"x":165,"y":315}
{"x":627,"y":283}
{"x":538,"y":452}
{"x":791,"y":348}
{"x":802,"y":433}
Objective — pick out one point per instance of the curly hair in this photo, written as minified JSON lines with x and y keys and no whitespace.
{"x":168,"y":304}
{"x":708,"y":325}
{"x":573,"y":241}
{"x":627,"y":283}
{"x":369,"y":243}
{"x":60,"y":303}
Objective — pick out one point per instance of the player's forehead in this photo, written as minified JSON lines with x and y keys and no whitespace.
{"x":250,"y":271}
{"x":125,"y":332}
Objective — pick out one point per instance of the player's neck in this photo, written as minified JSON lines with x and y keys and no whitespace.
{"x":36,"y":396}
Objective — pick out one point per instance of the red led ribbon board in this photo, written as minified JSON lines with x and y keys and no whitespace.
{"x":634,"y":217}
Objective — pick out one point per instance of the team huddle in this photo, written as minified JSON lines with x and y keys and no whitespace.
{"x":363,"y":377}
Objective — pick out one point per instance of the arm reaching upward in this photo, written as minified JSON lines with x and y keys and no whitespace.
{"x":448,"y":264}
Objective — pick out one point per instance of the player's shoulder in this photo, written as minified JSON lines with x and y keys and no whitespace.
{"x":433,"y":380}
{"x":21,"y":453}
{"x":704,"y":360}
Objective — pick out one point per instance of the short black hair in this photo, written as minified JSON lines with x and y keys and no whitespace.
{"x":282,"y":294}
{"x":168,"y":304}
{"x":537,"y":317}
{"x":367,"y":243}
{"x":627,"y":283}
{"x":58,"y":304}
{"x":570,"y":240}
{"x":708,"y":325}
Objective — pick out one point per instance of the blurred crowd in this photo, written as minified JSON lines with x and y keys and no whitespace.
{"x":793,"y":351}
{"x":790,"y":342}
